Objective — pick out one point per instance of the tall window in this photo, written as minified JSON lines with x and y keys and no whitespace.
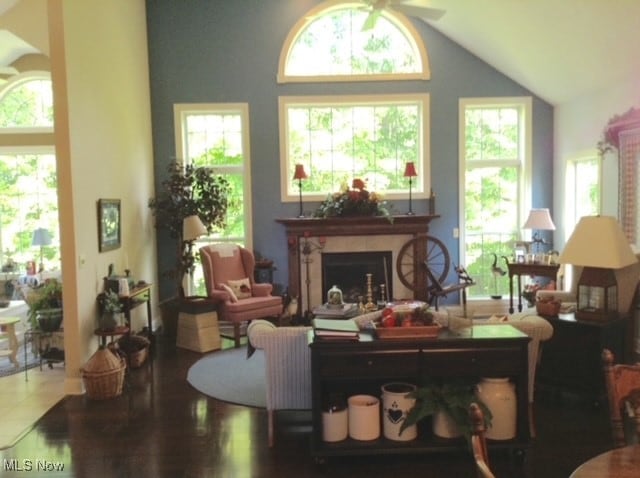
{"x":495,"y":136}
{"x":217,"y":136}
{"x":340,"y":138}
{"x":582,"y":190}
{"x":28,"y":180}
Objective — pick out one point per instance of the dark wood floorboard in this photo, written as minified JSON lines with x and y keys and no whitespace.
{"x":162,"y":427}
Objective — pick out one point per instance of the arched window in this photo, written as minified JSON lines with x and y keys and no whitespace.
{"x":342,"y":137}
{"x":28,"y":179}
{"x":329,"y":44}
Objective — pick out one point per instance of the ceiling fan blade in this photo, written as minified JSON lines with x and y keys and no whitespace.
{"x":371,"y":20}
{"x":427,"y":13}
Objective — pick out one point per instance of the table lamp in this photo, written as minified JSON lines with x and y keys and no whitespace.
{"x":300,"y":174}
{"x":192,"y":229}
{"x":600,"y":246}
{"x":41,"y":238}
{"x":539,"y":220}
{"x":410,"y":172}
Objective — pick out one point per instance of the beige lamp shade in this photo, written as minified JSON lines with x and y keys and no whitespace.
{"x":192,"y":228}
{"x":598,"y":241}
{"x":539,"y":219}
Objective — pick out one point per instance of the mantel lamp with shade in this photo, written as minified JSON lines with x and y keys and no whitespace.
{"x":539,"y":220}
{"x":41,"y":238}
{"x":410,"y":172}
{"x":299,"y":174}
{"x":599,"y":245}
{"x":192,"y":229}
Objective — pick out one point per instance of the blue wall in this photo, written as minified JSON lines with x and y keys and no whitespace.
{"x":227,"y":51}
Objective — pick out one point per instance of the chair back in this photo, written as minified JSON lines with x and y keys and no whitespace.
{"x":623,"y":393}
{"x":479,"y":442}
{"x":224,"y":262}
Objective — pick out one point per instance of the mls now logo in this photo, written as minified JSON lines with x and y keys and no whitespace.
{"x":30,"y":465}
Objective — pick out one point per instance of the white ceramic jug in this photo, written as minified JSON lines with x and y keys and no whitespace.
{"x":499,"y":395}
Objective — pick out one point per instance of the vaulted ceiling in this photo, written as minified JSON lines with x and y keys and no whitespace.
{"x":558,"y":49}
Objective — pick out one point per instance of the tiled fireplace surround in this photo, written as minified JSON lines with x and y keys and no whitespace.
{"x":356,"y":234}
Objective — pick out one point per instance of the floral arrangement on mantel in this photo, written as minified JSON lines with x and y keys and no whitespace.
{"x":354,"y":201}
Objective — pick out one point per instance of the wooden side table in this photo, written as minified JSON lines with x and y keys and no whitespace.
{"x":117,"y":332}
{"x":139,"y":295}
{"x":528,"y":269}
{"x":9,"y":326}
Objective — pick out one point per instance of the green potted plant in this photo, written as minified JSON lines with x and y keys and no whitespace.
{"x":188,"y":190}
{"x":45,"y":306}
{"x":110,"y":307}
{"x":449,"y":397}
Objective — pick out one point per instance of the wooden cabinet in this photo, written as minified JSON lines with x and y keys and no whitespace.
{"x":571,"y":359}
{"x":351,"y":368}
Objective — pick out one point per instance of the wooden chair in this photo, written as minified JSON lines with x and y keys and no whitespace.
{"x":623,"y":391}
{"x":478,"y":442}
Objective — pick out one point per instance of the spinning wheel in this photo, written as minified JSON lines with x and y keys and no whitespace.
{"x":417,"y":253}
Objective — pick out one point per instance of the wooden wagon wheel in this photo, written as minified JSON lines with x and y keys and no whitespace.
{"x":418,"y":252}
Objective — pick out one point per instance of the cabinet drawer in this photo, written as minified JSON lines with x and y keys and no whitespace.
{"x":472,"y":362}
{"x":377,"y":364}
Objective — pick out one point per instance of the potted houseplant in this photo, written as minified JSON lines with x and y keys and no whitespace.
{"x":45,"y":306}
{"x":188,"y":190}
{"x":110,"y":308}
{"x":450,"y":398}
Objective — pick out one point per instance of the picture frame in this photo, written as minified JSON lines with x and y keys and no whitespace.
{"x":108,"y":224}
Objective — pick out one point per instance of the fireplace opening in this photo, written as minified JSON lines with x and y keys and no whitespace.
{"x":348,"y":270}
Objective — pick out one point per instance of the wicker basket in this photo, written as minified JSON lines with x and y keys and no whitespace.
{"x":547,"y":306}
{"x":135,"y":348}
{"x":103,"y":375}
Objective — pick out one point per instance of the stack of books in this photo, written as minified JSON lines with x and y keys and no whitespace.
{"x":332,"y":329}
{"x":340,"y":312}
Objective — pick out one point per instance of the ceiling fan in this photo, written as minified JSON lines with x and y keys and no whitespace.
{"x":414,"y":8}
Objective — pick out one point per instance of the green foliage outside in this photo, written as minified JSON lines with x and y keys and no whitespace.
{"x":28,"y":181}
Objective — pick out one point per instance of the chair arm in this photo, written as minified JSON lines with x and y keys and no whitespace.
{"x":561,"y":295}
{"x":218,"y":295}
{"x":262,"y":289}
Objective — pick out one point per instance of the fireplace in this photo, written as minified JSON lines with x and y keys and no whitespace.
{"x":348,"y":270}
{"x":309,"y":238}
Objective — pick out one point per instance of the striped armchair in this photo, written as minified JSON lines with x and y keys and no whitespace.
{"x":287,"y":365}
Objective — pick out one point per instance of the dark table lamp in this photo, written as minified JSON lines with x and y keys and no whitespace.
{"x":300,"y":174}
{"x":410,"y":172}
{"x":41,"y":238}
{"x":600,"y":246}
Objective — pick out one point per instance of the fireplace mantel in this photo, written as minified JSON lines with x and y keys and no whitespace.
{"x":357,"y":226}
{"x":297,"y":228}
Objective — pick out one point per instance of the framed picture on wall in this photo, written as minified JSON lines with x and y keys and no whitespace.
{"x":108,"y":224}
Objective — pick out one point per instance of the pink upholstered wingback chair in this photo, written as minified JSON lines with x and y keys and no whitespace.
{"x":228,"y":275}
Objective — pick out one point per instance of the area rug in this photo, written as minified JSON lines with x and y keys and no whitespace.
{"x":8,"y":368}
{"x":230,"y":376}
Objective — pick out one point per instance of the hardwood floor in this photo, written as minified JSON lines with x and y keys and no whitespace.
{"x":162,"y":427}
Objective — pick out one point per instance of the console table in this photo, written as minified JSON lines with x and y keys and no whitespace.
{"x":138,"y":295}
{"x":362,"y":367}
{"x":528,"y":269}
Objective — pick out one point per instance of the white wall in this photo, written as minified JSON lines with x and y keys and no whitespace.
{"x":578,"y":128}
{"x":103,"y":145}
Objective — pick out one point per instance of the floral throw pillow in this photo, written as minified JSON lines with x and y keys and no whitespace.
{"x":241,"y":288}
{"x":229,"y":290}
